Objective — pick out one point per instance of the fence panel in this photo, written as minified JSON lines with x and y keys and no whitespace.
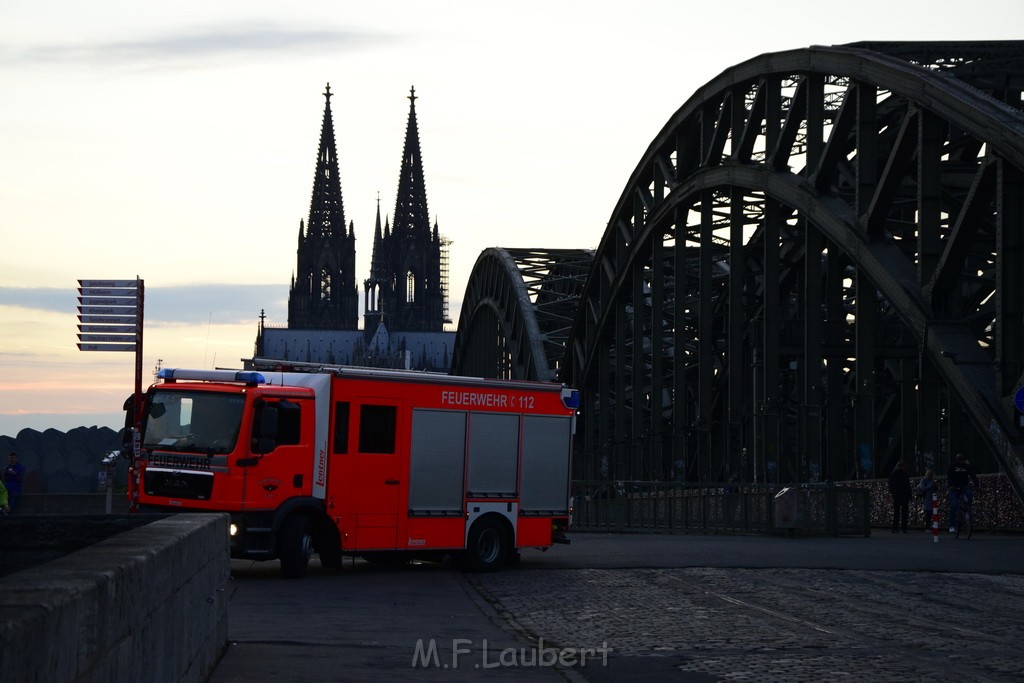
{"x":821,"y":509}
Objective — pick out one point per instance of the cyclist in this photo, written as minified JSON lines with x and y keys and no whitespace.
{"x":959,"y":477}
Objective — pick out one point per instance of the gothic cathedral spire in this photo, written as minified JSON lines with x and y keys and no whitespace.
{"x":323,"y":294}
{"x":406,"y":271}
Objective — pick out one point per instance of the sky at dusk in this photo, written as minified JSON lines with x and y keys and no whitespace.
{"x":176,"y":142}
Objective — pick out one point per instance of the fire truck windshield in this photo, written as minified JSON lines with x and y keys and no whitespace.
{"x":192,"y":421}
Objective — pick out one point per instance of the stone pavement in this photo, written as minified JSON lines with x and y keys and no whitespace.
{"x":366,"y":623}
{"x":762,"y":616}
{"x":698,"y":608}
{"x":773,"y":624}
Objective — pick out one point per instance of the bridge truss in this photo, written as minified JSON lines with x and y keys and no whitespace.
{"x":517,"y":312}
{"x":814,"y":271}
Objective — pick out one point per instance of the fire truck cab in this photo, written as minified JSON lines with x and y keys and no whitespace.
{"x":383,"y":464}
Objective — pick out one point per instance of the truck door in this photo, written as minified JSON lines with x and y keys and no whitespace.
{"x":377,"y":483}
{"x":281,"y":469}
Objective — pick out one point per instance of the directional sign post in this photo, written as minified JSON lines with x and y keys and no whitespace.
{"x":110,"y":315}
{"x":110,"y":319}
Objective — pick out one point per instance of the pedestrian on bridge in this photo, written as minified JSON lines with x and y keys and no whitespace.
{"x":959,"y":478}
{"x":14,"y":476}
{"x":899,"y":487}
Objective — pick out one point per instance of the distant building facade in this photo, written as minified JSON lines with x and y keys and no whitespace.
{"x":405,"y":296}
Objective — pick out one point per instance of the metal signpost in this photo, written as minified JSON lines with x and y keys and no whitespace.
{"x":110,"y":315}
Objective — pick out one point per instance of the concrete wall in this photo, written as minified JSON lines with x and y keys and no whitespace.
{"x":31,"y":540}
{"x":148,"y":604}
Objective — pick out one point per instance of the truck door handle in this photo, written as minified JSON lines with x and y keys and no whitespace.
{"x":391,"y":482}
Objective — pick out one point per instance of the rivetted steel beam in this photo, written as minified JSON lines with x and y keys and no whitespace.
{"x":857,"y":119}
{"x":517,"y":312}
{"x":980,"y":116}
{"x":891,"y":273}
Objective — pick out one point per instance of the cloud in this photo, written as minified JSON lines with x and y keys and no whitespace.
{"x":218,"y":303}
{"x":201,"y":46}
{"x":41,"y":298}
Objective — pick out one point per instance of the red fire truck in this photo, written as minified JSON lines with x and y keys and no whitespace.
{"x":383,"y":464}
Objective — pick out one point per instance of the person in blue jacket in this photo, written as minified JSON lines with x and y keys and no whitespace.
{"x":959,"y":478}
{"x":14,"y":476}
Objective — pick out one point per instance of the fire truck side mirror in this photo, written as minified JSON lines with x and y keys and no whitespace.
{"x":129,"y":421}
{"x":264,"y":428}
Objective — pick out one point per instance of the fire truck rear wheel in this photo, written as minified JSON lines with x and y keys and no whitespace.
{"x":327,"y":543}
{"x":488,"y":546}
{"x":296,"y":546}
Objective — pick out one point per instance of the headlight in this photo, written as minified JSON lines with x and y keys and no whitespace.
{"x":233,"y":530}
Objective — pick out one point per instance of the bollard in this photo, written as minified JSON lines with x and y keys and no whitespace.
{"x":109,"y":462}
{"x":109,"y":504}
{"x":935,"y":518}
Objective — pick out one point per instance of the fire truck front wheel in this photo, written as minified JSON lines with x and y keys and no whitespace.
{"x":489,"y":545}
{"x":296,"y":546}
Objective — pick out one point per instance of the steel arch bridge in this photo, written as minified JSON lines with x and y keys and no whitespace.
{"x":517,"y":312}
{"x":814,"y":271}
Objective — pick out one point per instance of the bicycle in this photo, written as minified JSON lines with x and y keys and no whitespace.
{"x":964,"y":515}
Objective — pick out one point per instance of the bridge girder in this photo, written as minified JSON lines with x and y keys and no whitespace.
{"x":812,"y":273}
{"x":517,"y":312}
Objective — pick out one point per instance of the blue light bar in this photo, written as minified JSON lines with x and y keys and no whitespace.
{"x":247,"y":376}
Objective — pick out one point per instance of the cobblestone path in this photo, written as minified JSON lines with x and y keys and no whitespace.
{"x":775,"y":624}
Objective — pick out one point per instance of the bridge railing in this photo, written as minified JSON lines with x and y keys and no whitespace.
{"x":723,"y":508}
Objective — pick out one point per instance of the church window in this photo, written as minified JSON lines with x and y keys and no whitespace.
{"x":325,"y":285}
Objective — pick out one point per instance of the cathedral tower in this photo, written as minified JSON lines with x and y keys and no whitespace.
{"x":404,"y":290}
{"x":323,"y":293}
